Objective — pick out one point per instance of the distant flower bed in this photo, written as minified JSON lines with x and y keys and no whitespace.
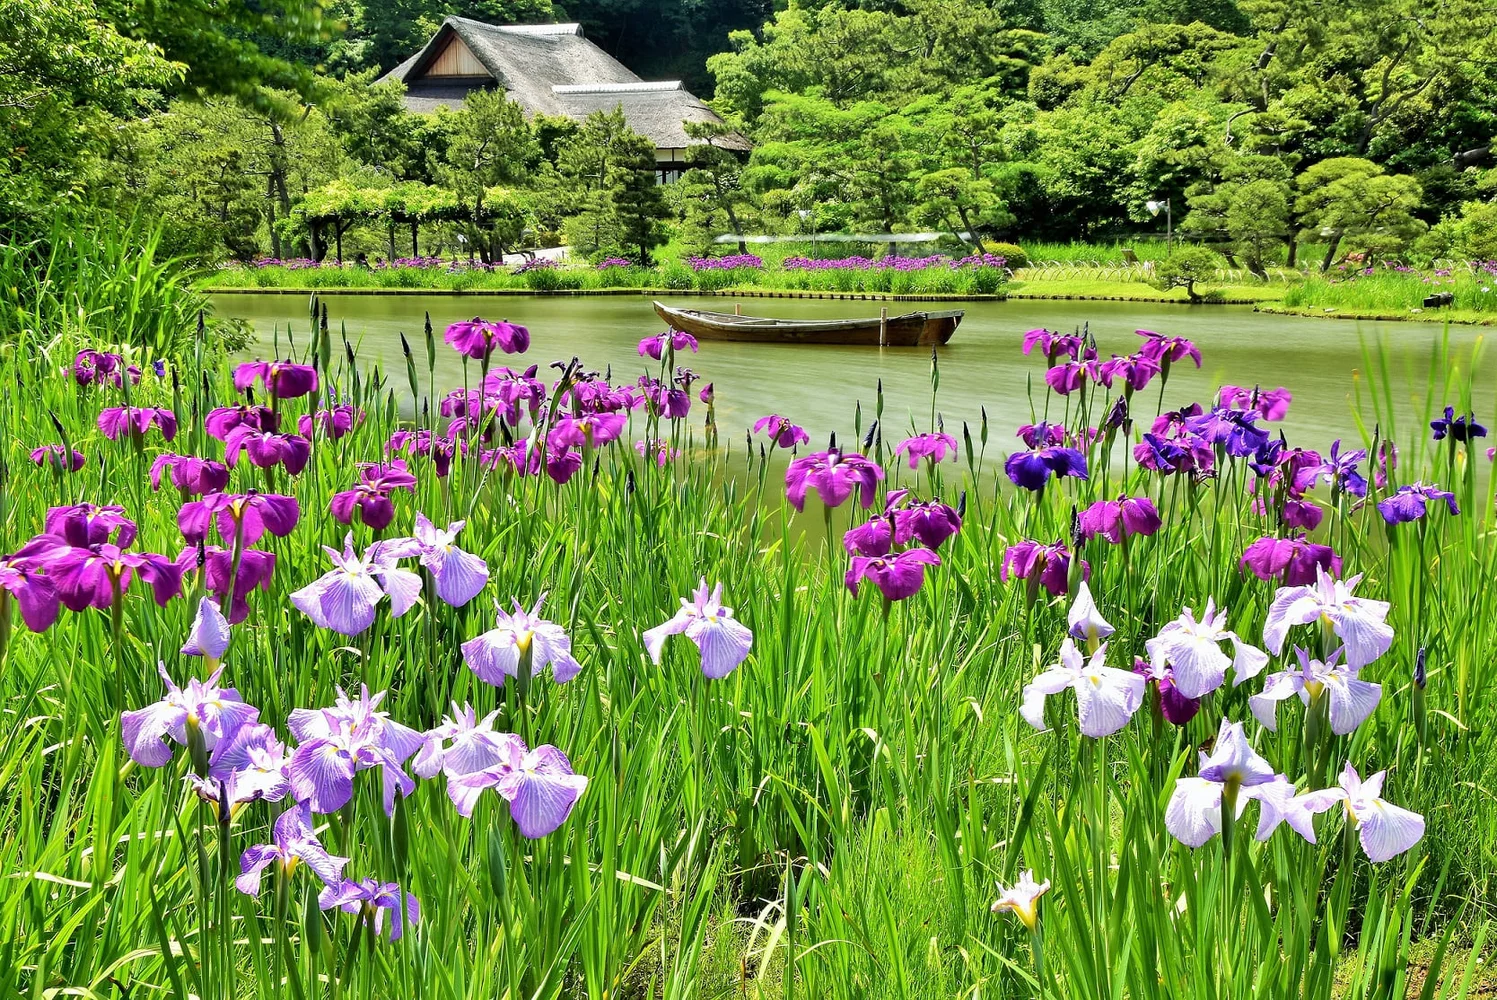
{"x":732,"y":262}
{"x":892,"y":262}
{"x":1388,"y":287}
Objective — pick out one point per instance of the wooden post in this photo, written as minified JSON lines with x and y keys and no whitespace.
{"x":737,"y":308}
{"x":883,"y":326}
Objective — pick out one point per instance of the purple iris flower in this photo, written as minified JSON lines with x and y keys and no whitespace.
{"x":932,"y":447}
{"x":513,"y":389}
{"x":293,"y":844}
{"x":834,"y":475}
{"x":92,"y":576}
{"x":463,"y":744}
{"x":1165,"y":350}
{"x":335,"y":422}
{"x":1270,"y":404}
{"x":1171,"y":455}
{"x":441,"y":450}
{"x":1136,"y":371}
{"x":1384,"y":829}
{"x":1462,"y":429}
{"x":593,"y":395}
{"x":1066,"y":378}
{"x":1295,"y":561}
{"x":1340,"y":470}
{"x":1176,"y":709}
{"x":253,"y":763}
{"x":246,"y":516}
{"x":1232,"y":430}
{"x":1350,"y":700}
{"x":458,"y":575}
{"x":591,"y":430}
{"x":191,"y":475}
{"x":1053,"y":345}
{"x":1385,"y":460}
{"x":344,"y":598}
{"x":660,"y":448}
{"x":115,"y":421}
{"x":281,"y":379}
{"x":931,"y":522}
{"x":1410,"y":503}
{"x":373,"y":899}
{"x":1042,"y":565}
{"x":1302,"y":514}
{"x":54,"y":455}
{"x":96,"y":367}
{"x":267,"y":450}
{"x":255,"y":570}
{"x":222,"y":420}
{"x":539,"y":785}
{"x":665,"y":400}
{"x":215,"y":713}
{"x":1042,"y":435}
{"x":1361,"y":622}
{"x":209,"y":636}
{"x":1172,"y":422}
{"x":336,"y":743}
{"x":525,"y":459}
{"x":1114,"y":519}
{"x":723,"y":641}
{"x":897,"y":576}
{"x":87,"y":524}
{"x":477,"y":338}
{"x":20,"y":578}
{"x":1106,"y":697}
{"x":706,"y":395}
{"x":1265,"y":461}
{"x":878,"y":535}
{"x":498,"y":653}
{"x":372,"y":494}
{"x":654,"y":346}
{"x":1194,"y":813}
{"x":1033,"y":469}
{"x":781,"y":431}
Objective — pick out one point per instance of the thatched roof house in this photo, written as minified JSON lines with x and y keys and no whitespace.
{"x":551,"y":68}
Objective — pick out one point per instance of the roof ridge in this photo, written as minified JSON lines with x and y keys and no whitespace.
{"x":643,"y":86}
{"x":552,"y":28}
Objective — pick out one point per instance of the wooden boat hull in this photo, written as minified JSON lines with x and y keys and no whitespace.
{"x":917,"y":329}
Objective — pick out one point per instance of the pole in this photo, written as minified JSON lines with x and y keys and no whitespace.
{"x":883,"y":326}
{"x":1169,"y":224}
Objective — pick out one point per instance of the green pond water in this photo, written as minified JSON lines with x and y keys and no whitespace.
{"x":1317,"y":359}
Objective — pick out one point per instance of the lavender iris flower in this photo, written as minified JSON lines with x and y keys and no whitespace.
{"x":1084,"y":620}
{"x":1350,"y":700}
{"x":60,"y":461}
{"x":281,"y":379}
{"x":498,"y":653}
{"x":192,"y":475}
{"x":1385,"y":830}
{"x":1115,"y":519}
{"x":87,"y":524}
{"x":1279,"y":803}
{"x":462,"y":745}
{"x":834,"y":475}
{"x":1045,"y":565}
{"x":723,"y":641}
{"x":214,"y":713}
{"x":1359,"y":621}
{"x":1295,"y":561}
{"x":372,"y":494}
{"x":344,"y":598}
{"x":1410,"y":503}
{"x":224,"y":419}
{"x":242,"y":516}
{"x":134,"y":421}
{"x":1106,"y":697}
{"x":932,"y":447}
{"x":1462,"y":429}
{"x":477,"y":338}
{"x":95,"y":575}
{"x":293,"y":844}
{"x":266,"y":450}
{"x":1031,"y":470}
{"x":1193,"y":649}
{"x":539,"y":785}
{"x":654,"y":346}
{"x":253,"y":763}
{"x":20,"y":577}
{"x":336,"y":743}
{"x":209,"y":636}
{"x":898,"y":576}
{"x":459,"y":576}
{"x":781,"y":431}
{"x":1194,"y":813}
{"x":373,"y":899}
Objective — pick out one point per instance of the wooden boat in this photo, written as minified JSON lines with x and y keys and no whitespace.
{"x":916,"y":329}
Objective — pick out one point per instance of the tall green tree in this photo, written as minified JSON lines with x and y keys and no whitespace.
{"x":635,"y":198}
{"x":1357,"y":207}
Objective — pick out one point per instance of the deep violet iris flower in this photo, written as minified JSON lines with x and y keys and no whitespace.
{"x":1269,"y":404}
{"x":1176,"y":709}
{"x":498,"y":653}
{"x":1186,"y":453}
{"x":459,"y":576}
{"x":293,"y":844}
{"x":781,"y":431}
{"x":338,"y":742}
{"x":1462,"y":429}
{"x":214,"y":713}
{"x":281,"y":379}
{"x":373,"y":899}
{"x":654,"y":345}
{"x":266,"y":450}
{"x":723,"y":641}
{"x":344,"y":598}
{"x":524,"y":459}
{"x":834,"y":475}
{"x":932,"y":447}
{"x":1339,"y":469}
{"x":1041,"y":435}
{"x":256,"y":567}
{"x":1361,"y":622}
{"x":93,"y":576}
{"x":134,"y":421}
{"x":898,"y":576}
{"x":1349,"y":699}
{"x":247,"y":515}
{"x":1294,"y":561}
{"x":1033,"y":469}
{"x":372,"y":495}
{"x":192,"y":475}
{"x":477,"y":338}
{"x":1047,"y":566}
{"x":1106,"y":697}
{"x":1115,"y":519}
{"x":54,"y":455}
{"x":86,"y":524}
{"x":1233,"y":431}
{"x":223,"y":419}
{"x":1411,"y":502}
{"x":539,"y":785}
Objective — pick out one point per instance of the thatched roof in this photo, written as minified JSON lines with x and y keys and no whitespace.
{"x":554,"y":69}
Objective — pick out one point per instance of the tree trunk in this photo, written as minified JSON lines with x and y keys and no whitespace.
{"x":315,"y":230}
{"x":1289,"y":261}
{"x":390,"y":231}
{"x":1330,"y":253}
{"x":275,"y":236}
{"x":338,"y":240}
{"x":415,"y":247}
{"x":971,"y":230}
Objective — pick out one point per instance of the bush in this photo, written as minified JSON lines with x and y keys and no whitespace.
{"x":1186,"y":267}
{"x":676,"y":276}
{"x":1013,"y":255}
{"x":987,"y":280}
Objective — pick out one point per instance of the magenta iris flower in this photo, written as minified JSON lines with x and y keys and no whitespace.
{"x":593,"y":395}
{"x":1165,"y":350}
{"x":524,"y":459}
{"x":1053,"y":345}
{"x":335,"y":422}
{"x":539,"y":785}
{"x":477,"y":338}
{"x":134,"y":421}
{"x":1106,"y":697}
{"x":1176,"y":709}
{"x":1135,"y":371}
{"x":932,"y":447}
{"x":373,"y":900}
{"x":21,"y":578}
{"x":344,"y":599}
{"x":1115,"y":519}
{"x":930,"y":522}
{"x":1410,"y":503}
{"x":665,"y":400}
{"x":248,"y":515}
{"x":87,"y":524}
{"x":255,"y":570}
{"x":54,"y":455}
{"x":1350,"y":700}
{"x":1234,"y":431}
{"x":93,"y":576}
{"x":1043,"y":565}
{"x":209,"y":636}
{"x":516,"y":390}
{"x":97,"y":367}
{"x":663,"y":453}
{"x":1067,"y":377}
{"x":723,"y":641}
{"x":1361,"y":622}
{"x":781,"y":431}
{"x":252,"y":763}
{"x":1033,"y":469}
{"x":215,"y":713}
{"x":191,"y":475}
{"x":877,"y":536}
{"x":654,"y":346}
{"x":1041,"y":435}
{"x":1463,"y":429}
{"x":222,"y":420}
{"x":372,"y":495}
{"x":898,"y":576}
{"x":588,"y":430}
{"x":267,"y":450}
{"x":459,"y":576}
{"x":834,"y":475}
{"x":441,"y":450}
{"x":281,"y":379}
{"x":497,"y":653}
{"x":1303,"y":514}
{"x":293,"y":844}
{"x":1294,"y":561}
{"x":338,"y":742}
{"x":1270,"y":404}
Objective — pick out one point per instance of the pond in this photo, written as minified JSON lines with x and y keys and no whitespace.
{"x":1317,"y":359}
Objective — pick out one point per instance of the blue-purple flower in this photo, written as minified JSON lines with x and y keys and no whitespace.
{"x":1463,"y":429}
{"x":374,"y":900}
{"x":1031,"y":470}
{"x":723,"y":641}
{"x":344,"y":598}
{"x":1411,"y":503}
{"x":517,"y":637}
{"x":539,"y":785}
{"x":293,"y":844}
{"x":202,"y":708}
